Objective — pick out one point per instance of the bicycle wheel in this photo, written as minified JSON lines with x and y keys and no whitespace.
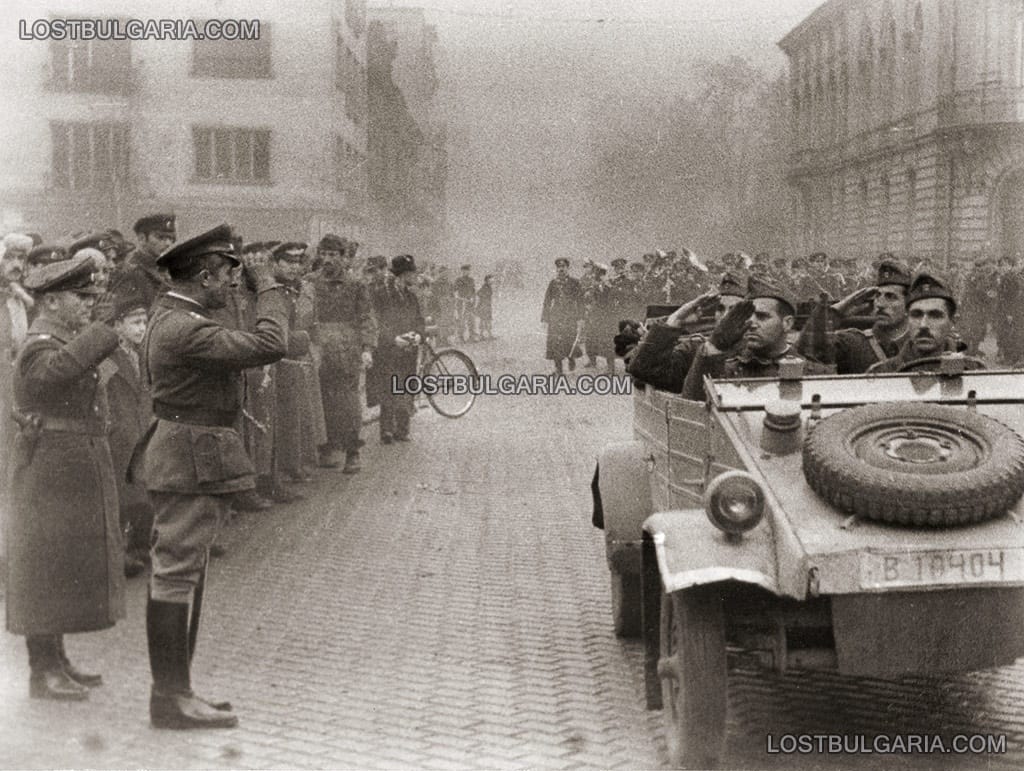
{"x":456,"y":378}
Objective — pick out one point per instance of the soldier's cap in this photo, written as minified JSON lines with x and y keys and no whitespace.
{"x":155,"y":223}
{"x":488,"y":277}
{"x":926,"y":285}
{"x":637,"y":266}
{"x":259,"y":246}
{"x":332,"y":243}
{"x":378,"y":262}
{"x":892,"y":272}
{"x":562,"y":262}
{"x":598,"y":267}
{"x":618,"y":262}
{"x":291,"y":251}
{"x":758,"y":287}
{"x":128,"y":302}
{"x":403,"y":263}
{"x":466,"y":267}
{"x":44,"y":254}
{"x":99,"y":241}
{"x":77,"y":274}
{"x":732,"y":284}
{"x":817,"y":256}
{"x":185,"y":254}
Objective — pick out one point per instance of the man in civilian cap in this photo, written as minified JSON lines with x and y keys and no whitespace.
{"x":193,"y":459}
{"x":346,"y":337}
{"x":666,"y":352}
{"x":401,"y":329}
{"x":931,"y":310}
{"x":749,"y":340}
{"x":65,"y":555}
{"x":853,"y":350}
{"x":154,"y":234}
{"x":563,"y":312}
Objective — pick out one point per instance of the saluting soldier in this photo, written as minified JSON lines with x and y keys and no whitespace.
{"x":154,"y":233}
{"x":65,"y":554}
{"x":563,"y":313}
{"x":193,"y":458}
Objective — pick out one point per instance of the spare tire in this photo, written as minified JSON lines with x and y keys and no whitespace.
{"x":915,"y":464}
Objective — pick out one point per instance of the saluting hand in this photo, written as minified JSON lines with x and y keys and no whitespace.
{"x":695,"y":306}
{"x":729,"y":331}
{"x":855,"y":300}
{"x":257,"y":267}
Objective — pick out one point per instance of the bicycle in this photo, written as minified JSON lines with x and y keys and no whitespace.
{"x":448,"y":366}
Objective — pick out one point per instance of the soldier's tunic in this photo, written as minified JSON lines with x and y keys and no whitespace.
{"x":346,"y":325}
{"x":195,"y":458}
{"x":65,"y":555}
{"x":743,"y":365}
{"x":906,"y":358}
{"x":664,"y":356}
{"x":563,"y":308}
{"x":294,"y":440}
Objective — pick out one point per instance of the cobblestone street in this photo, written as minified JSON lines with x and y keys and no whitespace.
{"x":448,"y":608}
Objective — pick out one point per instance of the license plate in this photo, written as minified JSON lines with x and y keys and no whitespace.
{"x":930,"y":568}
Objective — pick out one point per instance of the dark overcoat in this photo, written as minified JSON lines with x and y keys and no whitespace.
{"x":65,"y":554}
{"x":563,"y":307}
{"x":131,"y":413}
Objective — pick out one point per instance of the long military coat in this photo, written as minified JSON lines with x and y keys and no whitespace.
{"x":563,"y":307}
{"x":65,"y":555}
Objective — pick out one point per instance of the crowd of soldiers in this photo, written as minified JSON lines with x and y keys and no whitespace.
{"x":160,"y":387}
{"x":585,"y":316}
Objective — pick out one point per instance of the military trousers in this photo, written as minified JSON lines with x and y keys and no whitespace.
{"x":185,"y":526}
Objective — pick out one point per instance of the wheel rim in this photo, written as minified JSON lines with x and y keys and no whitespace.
{"x":458,"y":382}
{"x":919,"y":446}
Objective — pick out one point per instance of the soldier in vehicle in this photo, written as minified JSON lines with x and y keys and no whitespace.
{"x":665,"y":353}
{"x":853,"y":350}
{"x":931,"y":310}
{"x":748,"y":341}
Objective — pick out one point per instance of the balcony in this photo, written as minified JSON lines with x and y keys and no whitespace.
{"x":982,"y":104}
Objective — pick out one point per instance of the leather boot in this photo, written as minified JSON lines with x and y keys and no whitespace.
{"x":171,"y":702}
{"x":89,"y":681}
{"x":352,"y":464}
{"x":193,"y":636}
{"x":48,"y":680}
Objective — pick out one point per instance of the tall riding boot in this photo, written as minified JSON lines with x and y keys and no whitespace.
{"x":193,"y":635}
{"x":171,"y":702}
{"x":82,"y":678}
{"x":48,"y":680}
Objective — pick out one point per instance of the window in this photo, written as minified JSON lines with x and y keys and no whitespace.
{"x":233,"y":58}
{"x":231,"y":154}
{"x":89,"y":156}
{"x":95,"y":66}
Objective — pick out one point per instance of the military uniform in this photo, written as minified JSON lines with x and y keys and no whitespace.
{"x":193,"y":460}
{"x":664,"y":356}
{"x":141,"y":275}
{"x":65,"y":570}
{"x":562,"y":311}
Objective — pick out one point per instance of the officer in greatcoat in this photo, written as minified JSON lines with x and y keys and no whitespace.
{"x":193,"y":459}
{"x":65,"y":555}
{"x":563,"y":313}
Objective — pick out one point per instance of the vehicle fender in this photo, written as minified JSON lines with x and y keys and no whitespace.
{"x":690,"y":551}
{"x":624,"y":495}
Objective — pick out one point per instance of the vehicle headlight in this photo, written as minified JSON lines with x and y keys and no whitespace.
{"x":734,"y":502}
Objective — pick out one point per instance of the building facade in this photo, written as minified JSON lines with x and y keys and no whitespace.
{"x":267,"y":134}
{"x":407,"y":139}
{"x":908,"y":124}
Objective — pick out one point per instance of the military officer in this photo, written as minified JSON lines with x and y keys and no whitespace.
{"x":65,"y":555}
{"x":748,"y":341}
{"x":931,"y":310}
{"x":855,"y":350}
{"x":347,"y":333}
{"x":193,"y":458}
{"x":665,"y":353}
{"x":563,"y":313}
{"x":141,"y":276}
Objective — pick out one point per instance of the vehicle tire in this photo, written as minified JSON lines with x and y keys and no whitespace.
{"x":915,"y":464}
{"x":626,"y":607}
{"x":448,"y":363}
{"x":694,"y":676}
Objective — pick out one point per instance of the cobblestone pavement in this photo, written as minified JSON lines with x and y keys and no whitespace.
{"x":448,"y":608}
